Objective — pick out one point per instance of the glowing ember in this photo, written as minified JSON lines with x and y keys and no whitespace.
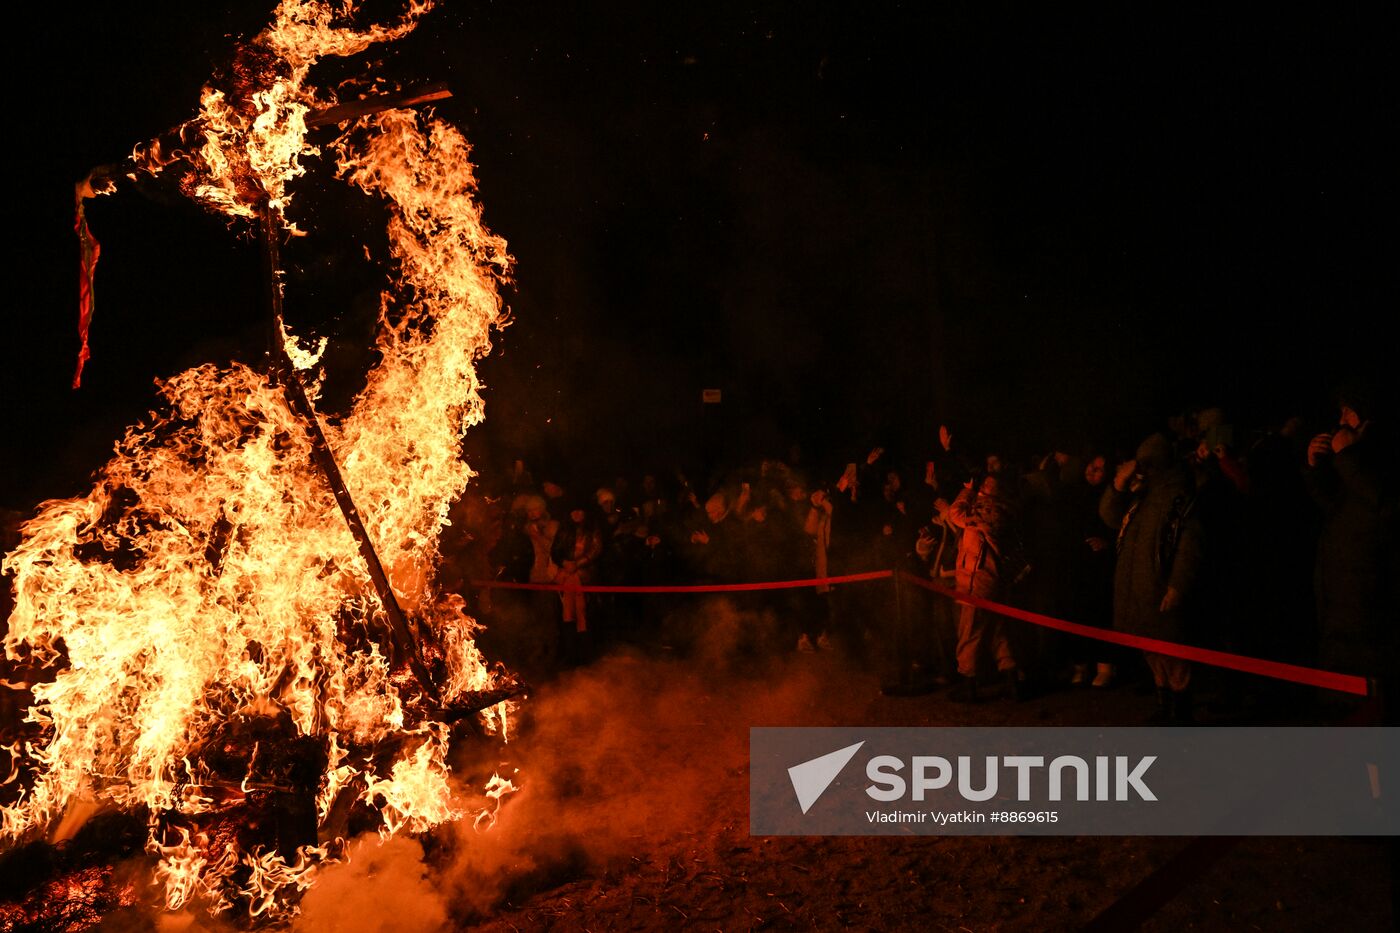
{"x":208,"y":624}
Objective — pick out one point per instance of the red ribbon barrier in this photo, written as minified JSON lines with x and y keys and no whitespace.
{"x":1342,"y":683}
{"x":699,"y":588}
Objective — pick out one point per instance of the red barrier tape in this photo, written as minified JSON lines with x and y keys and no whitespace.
{"x":1343,"y":683}
{"x":700,"y":588}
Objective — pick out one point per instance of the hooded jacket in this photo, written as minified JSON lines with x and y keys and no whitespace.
{"x":985,"y":520}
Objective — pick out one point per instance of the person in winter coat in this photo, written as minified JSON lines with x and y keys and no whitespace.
{"x":815,"y":612}
{"x":1352,"y":474}
{"x":984,"y":515}
{"x":574,"y":550}
{"x":1150,"y":502}
{"x":1091,"y":561}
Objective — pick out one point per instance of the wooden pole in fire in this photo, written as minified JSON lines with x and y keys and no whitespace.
{"x":286,"y":373}
{"x":104,"y":178}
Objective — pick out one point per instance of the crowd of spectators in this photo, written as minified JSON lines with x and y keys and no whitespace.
{"x":1280,"y":546}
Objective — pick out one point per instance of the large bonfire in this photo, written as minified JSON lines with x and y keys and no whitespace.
{"x":209,"y":645}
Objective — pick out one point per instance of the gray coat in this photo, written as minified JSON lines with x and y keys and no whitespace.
{"x":1159,"y":545}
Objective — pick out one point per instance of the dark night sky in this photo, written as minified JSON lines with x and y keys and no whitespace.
{"x":856,"y":220}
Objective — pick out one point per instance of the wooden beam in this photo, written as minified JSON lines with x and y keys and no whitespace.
{"x":410,"y":97}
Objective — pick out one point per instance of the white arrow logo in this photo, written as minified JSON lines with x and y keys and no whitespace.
{"x":811,"y":778}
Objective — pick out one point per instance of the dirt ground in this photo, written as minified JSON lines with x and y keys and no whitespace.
{"x":634,"y":815}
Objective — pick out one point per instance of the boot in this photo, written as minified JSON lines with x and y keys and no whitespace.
{"x":964,"y":689}
{"x":1103,"y":675}
{"x":1081,"y":674}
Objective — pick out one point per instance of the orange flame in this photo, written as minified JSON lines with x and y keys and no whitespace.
{"x":260,"y":132}
{"x":209,"y":573}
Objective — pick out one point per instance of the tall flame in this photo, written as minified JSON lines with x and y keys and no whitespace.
{"x":209,"y":576}
{"x":253,"y":127}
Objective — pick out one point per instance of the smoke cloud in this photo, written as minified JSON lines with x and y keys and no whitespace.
{"x":384,"y":887}
{"x":610,"y":759}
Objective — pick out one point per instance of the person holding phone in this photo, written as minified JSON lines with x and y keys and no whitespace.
{"x":1351,"y":473}
{"x":1151,"y":502}
{"x":984,"y":513}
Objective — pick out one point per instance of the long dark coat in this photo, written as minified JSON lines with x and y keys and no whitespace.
{"x":1357,"y":576}
{"x":1159,"y":545}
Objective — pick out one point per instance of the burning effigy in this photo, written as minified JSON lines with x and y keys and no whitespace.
{"x":238,"y":636}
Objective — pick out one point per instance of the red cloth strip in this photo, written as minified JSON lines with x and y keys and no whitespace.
{"x":1342,"y":683}
{"x":702,"y":588}
{"x":88,"y":252}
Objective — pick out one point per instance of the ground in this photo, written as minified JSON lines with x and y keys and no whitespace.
{"x":633,"y":814}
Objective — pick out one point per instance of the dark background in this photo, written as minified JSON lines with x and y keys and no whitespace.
{"x":857,"y":220}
